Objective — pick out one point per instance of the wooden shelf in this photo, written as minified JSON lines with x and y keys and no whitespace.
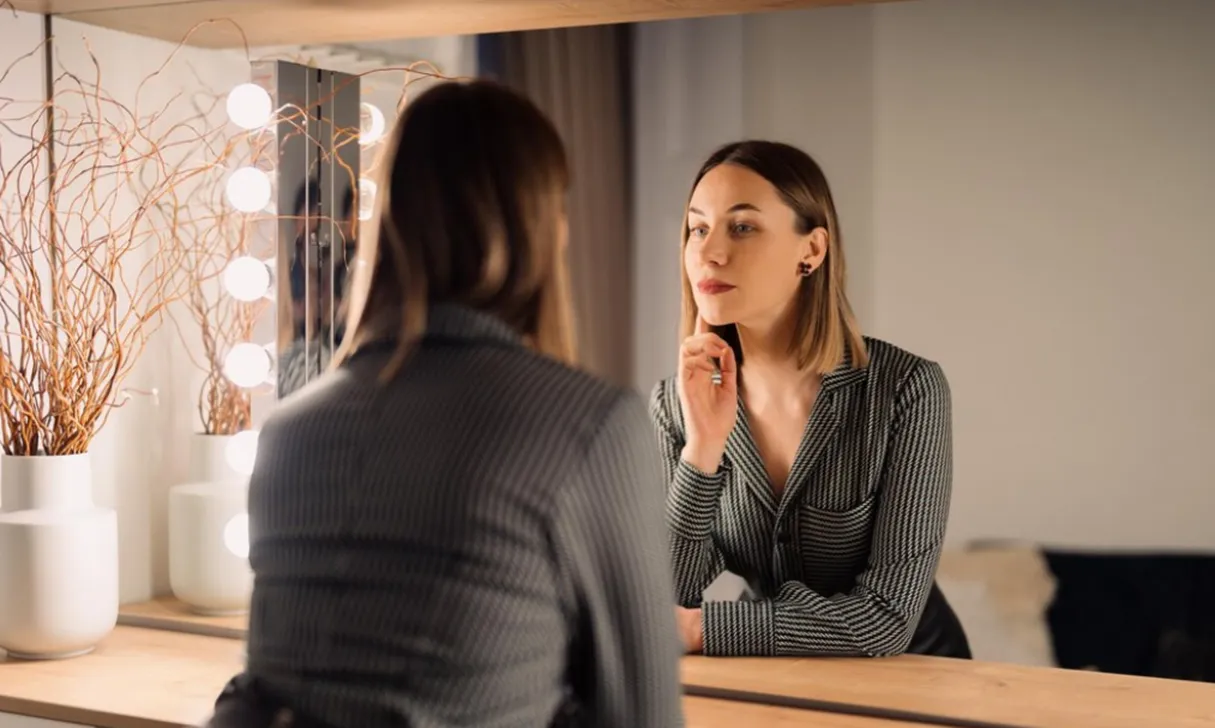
{"x":140,"y":678}
{"x":967,"y":690}
{"x":170,"y":614}
{"x":296,"y":22}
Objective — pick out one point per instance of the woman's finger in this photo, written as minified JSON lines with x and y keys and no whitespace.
{"x":699,"y":364}
{"x":709,"y":343}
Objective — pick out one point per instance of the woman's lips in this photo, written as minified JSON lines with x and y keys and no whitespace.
{"x":713,"y":287}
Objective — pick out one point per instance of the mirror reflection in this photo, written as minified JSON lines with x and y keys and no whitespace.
{"x":1025,"y":247}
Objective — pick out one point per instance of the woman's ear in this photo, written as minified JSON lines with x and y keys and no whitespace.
{"x":814,"y":247}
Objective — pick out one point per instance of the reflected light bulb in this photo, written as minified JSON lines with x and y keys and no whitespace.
{"x":241,"y":451}
{"x":246,"y":278}
{"x":247,"y":365}
{"x":367,"y":192}
{"x":249,"y":106}
{"x":249,"y":189}
{"x":236,"y":535}
{"x":371,"y":124}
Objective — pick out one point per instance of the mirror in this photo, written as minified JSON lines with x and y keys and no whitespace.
{"x":1034,"y":222}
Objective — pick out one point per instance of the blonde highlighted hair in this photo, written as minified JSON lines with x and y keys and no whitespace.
{"x":826,"y":333}
{"x":471,"y":211}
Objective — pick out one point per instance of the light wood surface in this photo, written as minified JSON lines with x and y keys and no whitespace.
{"x":710,"y":713}
{"x":964,"y":689}
{"x":141,"y":678}
{"x":294,"y":22}
{"x":137,"y":678}
{"x":171,"y":614}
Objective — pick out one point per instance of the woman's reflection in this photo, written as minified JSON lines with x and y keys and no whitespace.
{"x":812,"y":461}
{"x":319,"y":257}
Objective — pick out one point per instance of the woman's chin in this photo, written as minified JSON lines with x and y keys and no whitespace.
{"x":714,"y":316}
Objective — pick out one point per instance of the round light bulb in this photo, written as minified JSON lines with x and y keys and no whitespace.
{"x":236,"y":535}
{"x":249,"y":189}
{"x":371,"y":124}
{"x":249,"y":106}
{"x":246,"y":278}
{"x":247,"y":365}
{"x":367,"y":192}
{"x":241,"y":451}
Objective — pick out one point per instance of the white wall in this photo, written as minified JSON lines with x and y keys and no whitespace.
{"x":21,"y":93}
{"x":1024,"y":189}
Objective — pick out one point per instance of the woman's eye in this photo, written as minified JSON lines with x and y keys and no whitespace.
{"x":698,"y":232}
{"x":743,"y":228}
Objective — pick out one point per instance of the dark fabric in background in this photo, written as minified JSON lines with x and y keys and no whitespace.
{"x":1135,"y":614}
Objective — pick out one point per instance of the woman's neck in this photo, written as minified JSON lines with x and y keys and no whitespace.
{"x":770,"y":371}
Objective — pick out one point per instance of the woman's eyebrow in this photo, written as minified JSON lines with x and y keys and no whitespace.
{"x":734,"y":208}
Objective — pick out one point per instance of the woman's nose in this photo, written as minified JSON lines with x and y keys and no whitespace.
{"x":714,"y":249}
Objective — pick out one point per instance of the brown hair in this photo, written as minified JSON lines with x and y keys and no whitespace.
{"x":825,"y":331}
{"x":470,"y":208}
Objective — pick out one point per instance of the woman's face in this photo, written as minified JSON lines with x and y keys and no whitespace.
{"x":743,"y":249}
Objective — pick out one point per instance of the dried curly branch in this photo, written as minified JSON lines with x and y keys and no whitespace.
{"x":128,"y":219}
{"x":87,"y":269}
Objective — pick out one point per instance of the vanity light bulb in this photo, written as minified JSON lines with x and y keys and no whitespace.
{"x":371,"y":124}
{"x":246,"y":278}
{"x":249,"y":189}
{"x":367,"y":192}
{"x":236,"y":535}
{"x":247,"y":365}
{"x":241,"y":452}
{"x":249,"y":106}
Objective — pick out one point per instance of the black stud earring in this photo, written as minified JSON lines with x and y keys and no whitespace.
{"x":804,"y":269}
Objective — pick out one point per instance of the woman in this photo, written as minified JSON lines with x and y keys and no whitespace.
{"x":812,"y":461}
{"x":453,"y":527}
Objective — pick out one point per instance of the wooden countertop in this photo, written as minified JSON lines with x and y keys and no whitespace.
{"x":967,"y":690}
{"x":146,"y":678}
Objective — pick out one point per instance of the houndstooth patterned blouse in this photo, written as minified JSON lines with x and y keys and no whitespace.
{"x":844,"y":560}
{"x":477,"y":542}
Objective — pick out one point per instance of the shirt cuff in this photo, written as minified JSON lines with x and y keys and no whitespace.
{"x":693,"y":500}
{"x":739,"y":629}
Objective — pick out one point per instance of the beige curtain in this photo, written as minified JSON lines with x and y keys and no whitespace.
{"x":579,"y":77}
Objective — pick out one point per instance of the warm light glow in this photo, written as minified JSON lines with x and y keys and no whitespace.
{"x":241,"y":452}
{"x":249,"y":189}
{"x":249,"y":106}
{"x":246,"y":278}
{"x":236,"y":535}
{"x":371,"y":124}
{"x":247,"y":365}
{"x":367,"y":191}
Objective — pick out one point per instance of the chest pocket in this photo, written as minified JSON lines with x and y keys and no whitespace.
{"x":835,"y":544}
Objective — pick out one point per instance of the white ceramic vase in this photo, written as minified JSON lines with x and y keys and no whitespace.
{"x":209,"y":532}
{"x":58,"y":558}
{"x":209,"y":461}
{"x":209,"y":547}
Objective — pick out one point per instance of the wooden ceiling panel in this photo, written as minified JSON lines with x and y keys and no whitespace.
{"x":296,"y":22}
{"x":61,"y":7}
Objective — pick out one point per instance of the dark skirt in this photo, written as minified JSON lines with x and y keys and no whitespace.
{"x":939,"y":633}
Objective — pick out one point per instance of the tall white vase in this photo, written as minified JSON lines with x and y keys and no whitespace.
{"x":58,"y":558}
{"x":209,"y":459}
{"x":209,"y":533}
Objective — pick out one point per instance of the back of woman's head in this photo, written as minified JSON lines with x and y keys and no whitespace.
{"x":472,"y":212}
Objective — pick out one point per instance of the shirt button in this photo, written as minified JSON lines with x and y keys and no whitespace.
{"x":782,"y":536}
